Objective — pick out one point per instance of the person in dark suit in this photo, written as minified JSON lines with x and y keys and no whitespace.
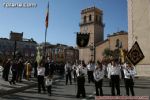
{"x":68,"y":69}
{"x":14,"y":72}
{"x":6,"y":69}
{"x":80,"y":85}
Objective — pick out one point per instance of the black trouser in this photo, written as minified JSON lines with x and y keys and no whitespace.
{"x":20,"y":72}
{"x":80,"y":91}
{"x":68,"y":75}
{"x":115,"y":83}
{"x":14,"y":76}
{"x":98,"y":86}
{"x":129,"y":84}
{"x":90,"y":76}
{"x":35,"y":72}
{"x":49,"y":89}
{"x":41,"y":83}
{"x":75,"y":75}
{"x":5,"y":74}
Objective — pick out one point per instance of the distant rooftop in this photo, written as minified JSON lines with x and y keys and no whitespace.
{"x":118,"y":33}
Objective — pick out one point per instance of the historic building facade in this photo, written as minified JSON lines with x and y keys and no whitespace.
{"x":92,"y":23}
{"x":61,"y":53}
{"x":110,"y":43}
{"x":17,"y":45}
{"x":139,"y":28}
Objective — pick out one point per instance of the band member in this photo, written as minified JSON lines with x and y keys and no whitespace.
{"x":90,"y":68}
{"x":108,"y":69}
{"x":114,"y":75}
{"x":98,"y":77}
{"x":74,"y":68}
{"x":68,"y":69}
{"x":80,"y":85}
{"x":41,"y":74}
{"x":81,"y":67}
{"x":129,"y":73}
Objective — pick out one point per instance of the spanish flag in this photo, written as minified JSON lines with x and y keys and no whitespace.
{"x":47,"y":15}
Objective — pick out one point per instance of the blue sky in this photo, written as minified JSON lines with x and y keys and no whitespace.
{"x":64,"y":19}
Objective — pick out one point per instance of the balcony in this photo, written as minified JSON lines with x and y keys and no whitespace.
{"x":91,"y":22}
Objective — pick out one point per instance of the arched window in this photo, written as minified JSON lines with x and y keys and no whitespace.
{"x":90,"y":17}
{"x":84,"y":19}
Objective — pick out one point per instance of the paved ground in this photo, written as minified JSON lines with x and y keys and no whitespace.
{"x":6,"y":88}
{"x":68,"y":92}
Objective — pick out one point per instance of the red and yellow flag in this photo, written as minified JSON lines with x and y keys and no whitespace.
{"x":47,"y":15}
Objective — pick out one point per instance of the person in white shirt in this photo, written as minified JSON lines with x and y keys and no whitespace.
{"x":48,"y":83}
{"x":82,"y":67}
{"x":98,"y":77}
{"x":41,"y":74}
{"x":81,"y":85}
{"x":129,"y":73}
{"x":114,"y":75}
{"x":90,"y":68}
{"x":74,"y":68}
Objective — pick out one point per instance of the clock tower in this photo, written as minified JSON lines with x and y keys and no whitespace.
{"x":92,"y":23}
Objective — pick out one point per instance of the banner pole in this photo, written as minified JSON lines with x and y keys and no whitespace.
{"x":45,"y":44}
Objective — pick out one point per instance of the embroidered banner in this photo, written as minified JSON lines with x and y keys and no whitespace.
{"x":135,"y":55}
{"x":82,"y":39}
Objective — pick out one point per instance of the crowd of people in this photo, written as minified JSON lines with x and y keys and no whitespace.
{"x":78,"y":72}
{"x":112,"y":70}
{"x":26,"y":69}
{"x":19,"y":69}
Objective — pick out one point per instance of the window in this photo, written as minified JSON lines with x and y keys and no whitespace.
{"x":90,"y":17}
{"x":96,"y":19}
{"x":100,"y":20}
{"x":84,"y":19}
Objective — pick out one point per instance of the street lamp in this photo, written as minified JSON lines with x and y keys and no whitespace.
{"x":15,"y":49}
{"x":92,"y":48}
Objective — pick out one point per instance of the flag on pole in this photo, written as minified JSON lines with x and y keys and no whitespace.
{"x":47,"y":15}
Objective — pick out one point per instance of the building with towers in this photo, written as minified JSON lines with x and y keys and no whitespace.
{"x":139,"y":28}
{"x":91,"y":23}
{"x":16,"y":46}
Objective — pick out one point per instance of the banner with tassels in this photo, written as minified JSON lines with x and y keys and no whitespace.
{"x":82,"y":39}
{"x":135,"y":55}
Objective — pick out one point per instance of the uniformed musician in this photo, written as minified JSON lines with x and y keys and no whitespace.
{"x":80,"y":85}
{"x":98,"y":77}
{"x":90,"y":69}
{"x":129,"y":73}
{"x":114,"y":75}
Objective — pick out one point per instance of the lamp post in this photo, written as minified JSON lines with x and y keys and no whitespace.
{"x":92,"y":48}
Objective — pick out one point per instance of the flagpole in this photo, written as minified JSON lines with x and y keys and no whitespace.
{"x":46,"y":24}
{"x":45,"y":43}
